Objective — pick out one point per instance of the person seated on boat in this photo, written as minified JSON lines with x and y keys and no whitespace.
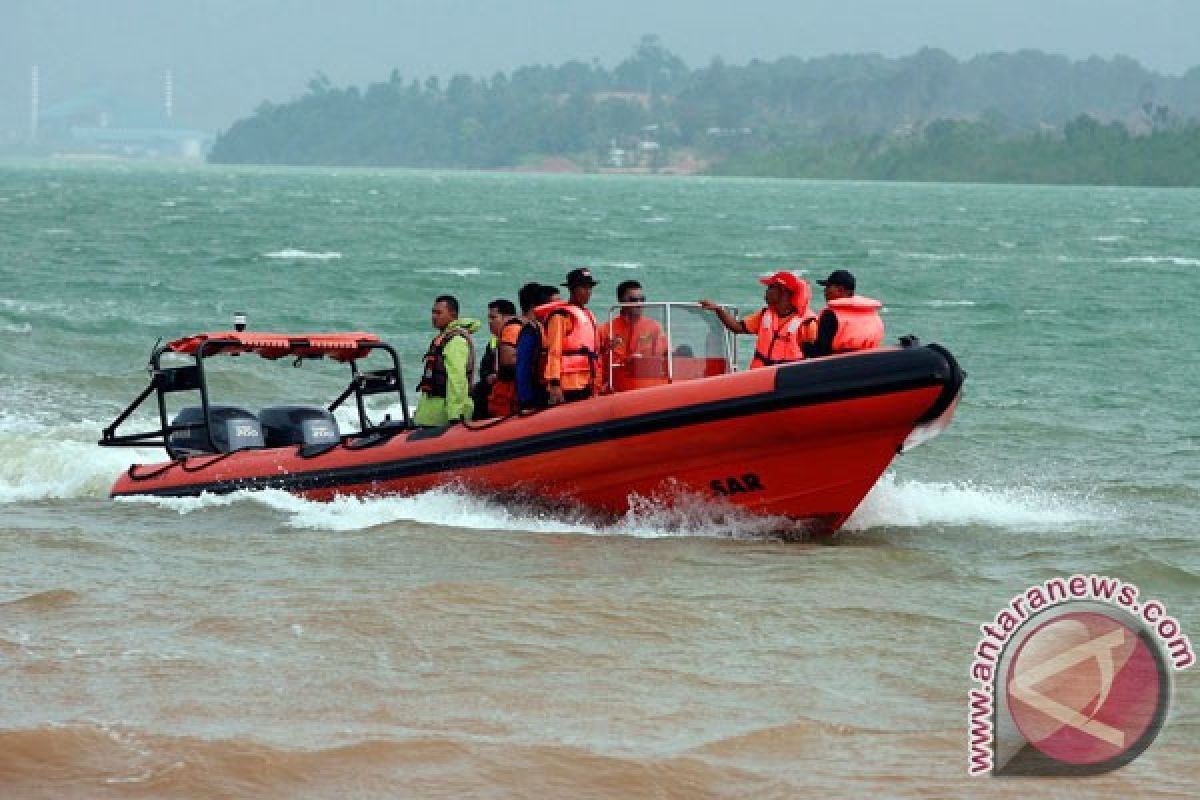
{"x":631,"y":334}
{"x":494,"y":395}
{"x":848,"y":322}
{"x":449,"y":366}
{"x":531,"y":391}
{"x":572,"y":352}
{"x":782,"y":326}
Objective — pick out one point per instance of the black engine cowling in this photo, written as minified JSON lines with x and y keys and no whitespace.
{"x":290,"y":425}
{"x":233,"y":428}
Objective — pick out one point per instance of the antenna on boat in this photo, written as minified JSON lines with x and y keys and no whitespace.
{"x":153,"y":350}
{"x":239,"y":321}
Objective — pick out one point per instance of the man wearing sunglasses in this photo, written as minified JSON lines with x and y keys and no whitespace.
{"x":631,"y":334}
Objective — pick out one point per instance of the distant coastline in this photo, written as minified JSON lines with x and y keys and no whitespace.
{"x":1025,"y":117}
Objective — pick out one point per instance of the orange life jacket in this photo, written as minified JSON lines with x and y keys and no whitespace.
{"x":579,"y":347}
{"x":859,"y":325}
{"x":502,"y":399}
{"x":779,"y":338}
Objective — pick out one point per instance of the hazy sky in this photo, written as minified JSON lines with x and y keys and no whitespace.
{"x":228,"y":55}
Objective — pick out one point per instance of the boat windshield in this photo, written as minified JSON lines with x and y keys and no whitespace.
{"x":650,"y":344}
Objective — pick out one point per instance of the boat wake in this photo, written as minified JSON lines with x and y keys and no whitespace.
{"x":915,"y":504}
{"x":44,"y":463}
{"x":457,"y":507}
{"x":891,"y":504}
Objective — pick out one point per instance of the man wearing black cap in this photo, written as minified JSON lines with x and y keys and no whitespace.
{"x":571,"y":345}
{"x":848,"y":322}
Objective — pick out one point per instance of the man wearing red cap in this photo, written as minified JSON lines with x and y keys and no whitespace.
{"x":782,"y":326}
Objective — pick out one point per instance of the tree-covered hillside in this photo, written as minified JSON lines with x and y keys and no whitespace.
{"x":1086,"y":152}
{"x":652,"y":106}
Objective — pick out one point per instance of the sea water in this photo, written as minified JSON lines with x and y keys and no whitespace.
{"x":453,"y":645}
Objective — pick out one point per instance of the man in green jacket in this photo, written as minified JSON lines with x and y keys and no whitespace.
{"x":449,"y":368}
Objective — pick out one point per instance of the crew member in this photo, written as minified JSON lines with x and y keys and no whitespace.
{"x":531,"y":348}
{"x":631,"y":334}
{"x":572,"y":351}
{"x":848,"y":322}
{"x":782,"y":326}
{"x":495,"y":393}
{"x":449,"y":366}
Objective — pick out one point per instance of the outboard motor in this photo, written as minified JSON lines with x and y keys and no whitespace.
{"x":290,"y":425}
{"x":233,"y":428}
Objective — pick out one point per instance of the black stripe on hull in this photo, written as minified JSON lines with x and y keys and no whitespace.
{"x":804,"y":384}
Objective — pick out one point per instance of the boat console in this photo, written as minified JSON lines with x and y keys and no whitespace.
{"x":667,"y":343}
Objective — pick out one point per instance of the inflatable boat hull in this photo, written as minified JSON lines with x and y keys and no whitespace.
{"x":805,"y":441}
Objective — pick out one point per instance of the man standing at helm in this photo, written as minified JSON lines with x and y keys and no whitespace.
{"x":849,"y":322}
{"x":782,"y":326}
{"x":630,"y":335}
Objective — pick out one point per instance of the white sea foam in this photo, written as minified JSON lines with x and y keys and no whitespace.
{"x":891,"y":503}
{"x":781,"y":227}
{"x":915,"y":504}
{"x":647,"y":518}
{"x":443,"y":506}
{"x":292,"y":253}
{"x":934,"y":256}
{"x":948,"y":303}
{"x":1179,"y":261}
{"x":462,"y":272}
{"x":1114,"y":238}
{"x":36,"y":468}
{"x":19,"y":328}
{"x":620,"y":264}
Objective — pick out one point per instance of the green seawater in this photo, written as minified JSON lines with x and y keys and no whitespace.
{"x":1076,"y":446}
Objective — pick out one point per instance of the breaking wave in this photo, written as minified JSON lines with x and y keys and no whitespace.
{"x":291,"y":253}
{"x":914,"y":504}
{"x":1179,"y":261}
{"x":456,"y":507}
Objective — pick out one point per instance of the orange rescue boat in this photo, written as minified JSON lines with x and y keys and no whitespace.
{"x":805,"y":440}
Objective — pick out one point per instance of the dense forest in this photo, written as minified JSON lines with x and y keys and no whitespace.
{"x":1085,"y":152}
{"x":1024,"y":116}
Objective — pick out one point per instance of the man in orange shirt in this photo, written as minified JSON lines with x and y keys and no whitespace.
{"x":631,"y":334}
{"x":571,"y":348}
